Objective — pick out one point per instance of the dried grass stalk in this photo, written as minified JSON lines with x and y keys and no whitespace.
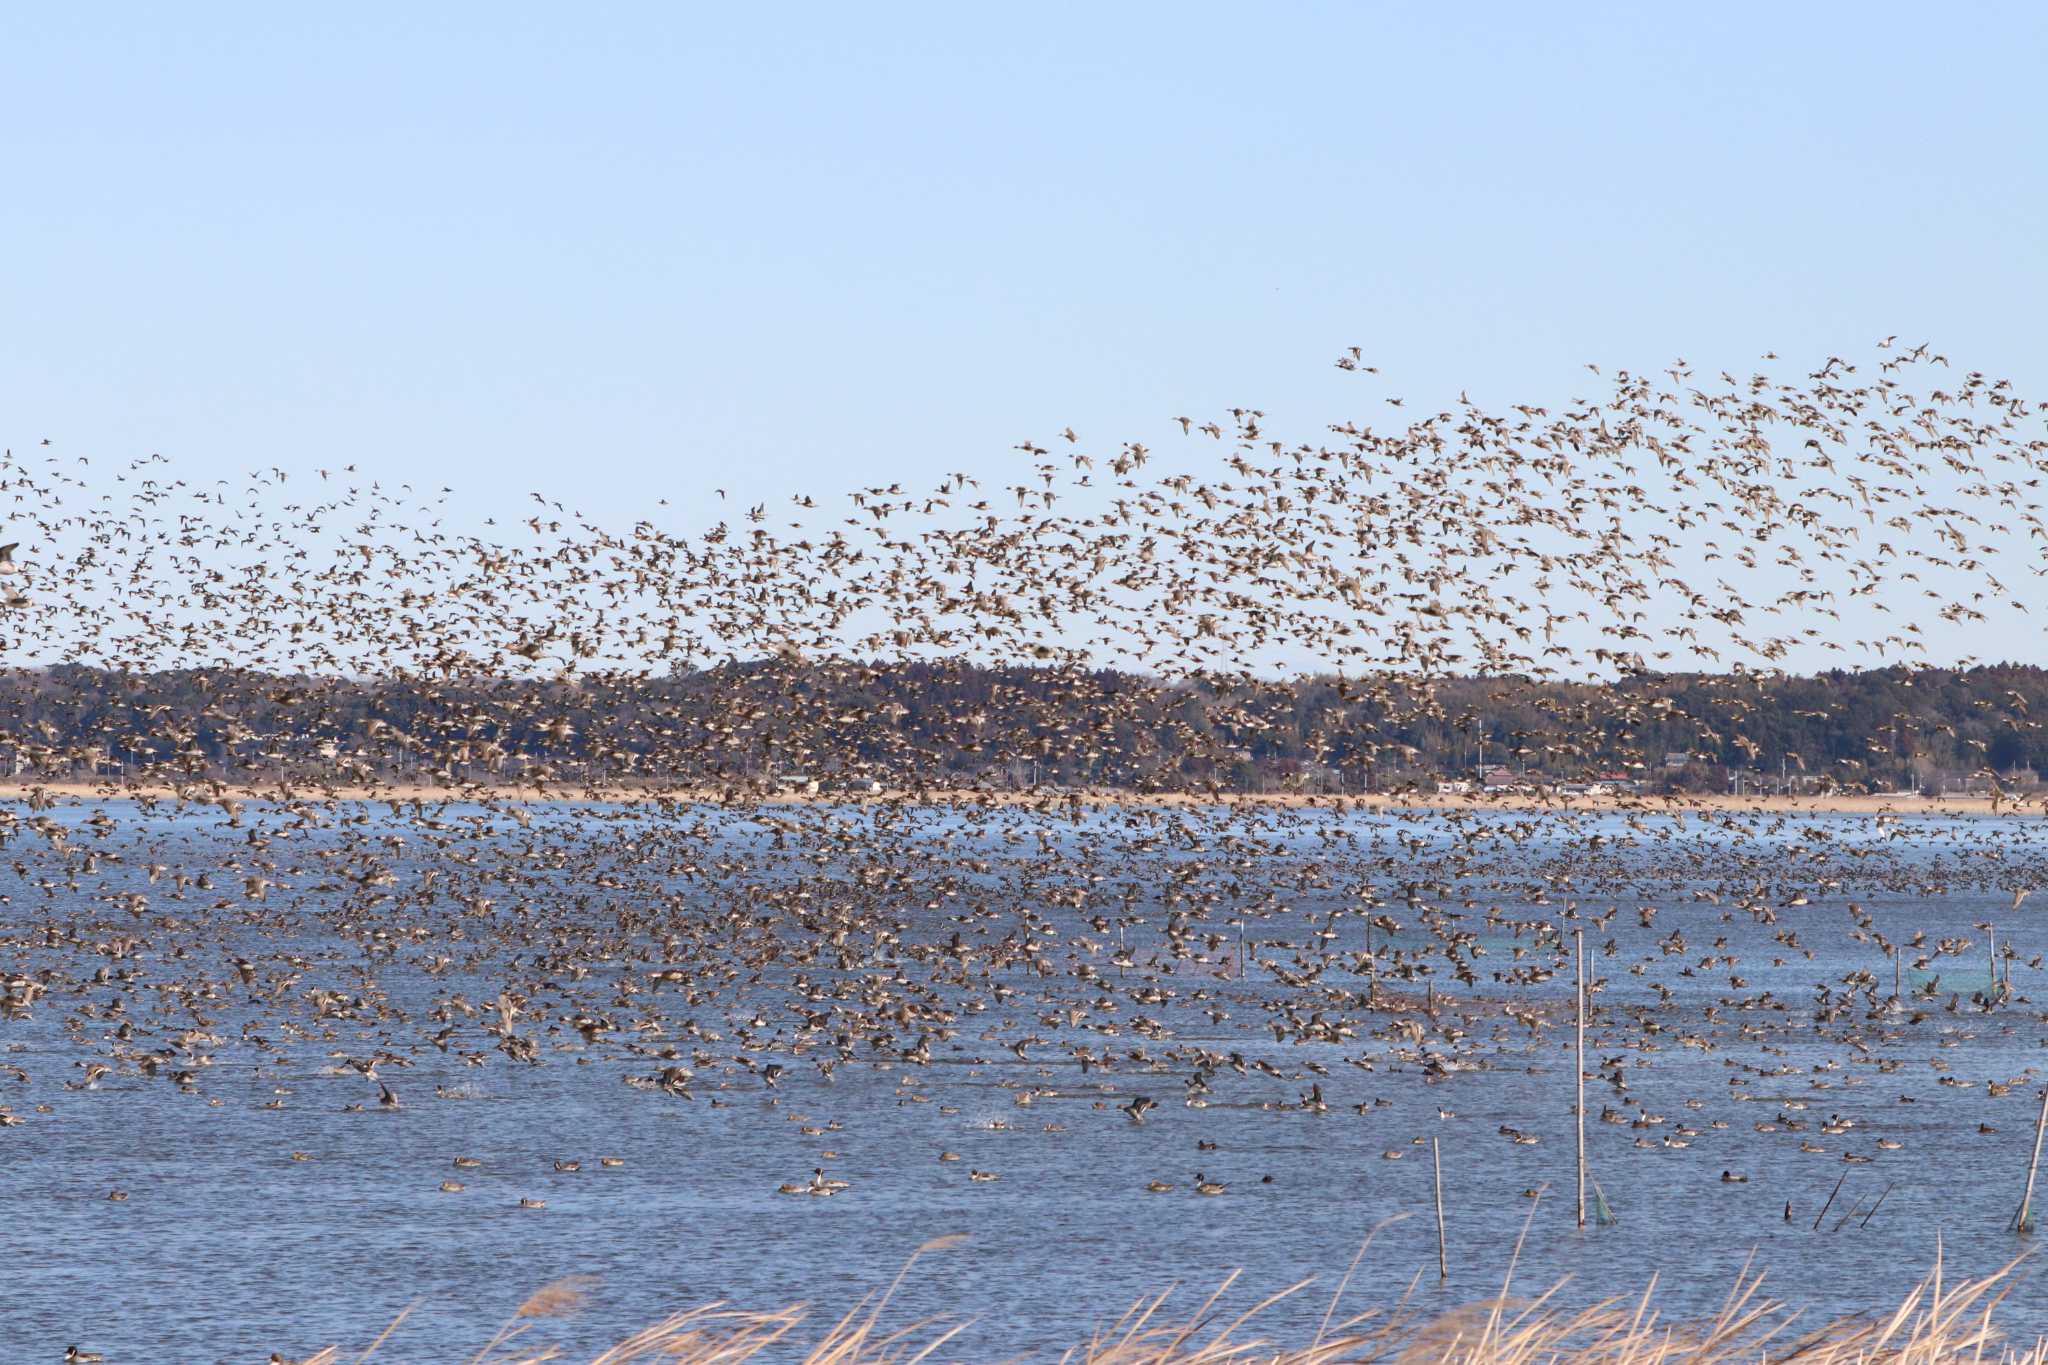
{"x":1939,"y":1322}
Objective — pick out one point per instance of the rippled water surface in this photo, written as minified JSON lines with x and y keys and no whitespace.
{"x":274,"y":1204}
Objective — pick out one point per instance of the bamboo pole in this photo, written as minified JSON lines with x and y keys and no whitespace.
{"x":1579,"y":1066}
{"x":2025,"y":1215}
{"x":1436,"y":1160}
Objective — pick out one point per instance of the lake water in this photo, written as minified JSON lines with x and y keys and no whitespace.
{"x":228,"y":1247}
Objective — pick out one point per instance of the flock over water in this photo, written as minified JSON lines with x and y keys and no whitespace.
{"x":385,"y":928}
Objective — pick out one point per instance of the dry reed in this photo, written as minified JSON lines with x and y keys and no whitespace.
{"x":1940,"y":1322}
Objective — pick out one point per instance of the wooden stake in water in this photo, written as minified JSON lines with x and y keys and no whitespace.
{"x":1579,"y":1067}
{"x":2024,"y":1221}
{"x":1443,"y":1264}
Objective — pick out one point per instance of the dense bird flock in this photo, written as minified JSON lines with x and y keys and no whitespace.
{"x":437,"y":806}
{"x":1672,"y":526}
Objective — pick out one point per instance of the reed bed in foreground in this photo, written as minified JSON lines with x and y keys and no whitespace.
{"x":1939,"y":1322}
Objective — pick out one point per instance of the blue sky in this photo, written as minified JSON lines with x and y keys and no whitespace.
{"x":635,"y":252}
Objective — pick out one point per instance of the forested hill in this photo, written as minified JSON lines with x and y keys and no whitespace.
{"x":957,"y":724}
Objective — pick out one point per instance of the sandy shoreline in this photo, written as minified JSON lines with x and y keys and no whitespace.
{"x":1840,"y":803}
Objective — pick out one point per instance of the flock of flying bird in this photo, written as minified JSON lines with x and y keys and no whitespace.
{"x":363,"y":892}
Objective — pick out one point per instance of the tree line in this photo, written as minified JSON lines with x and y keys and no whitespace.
{"x":959,"y":724}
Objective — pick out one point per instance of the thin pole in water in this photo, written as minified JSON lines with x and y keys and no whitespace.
{"x":1873,"y":1208}
{"x":1372,"y":967}
{"x":2024,"y":1218}
{"x":1830,"y":1204}
{"x":1580,"y":1068}
{"x":1443,"y":1265}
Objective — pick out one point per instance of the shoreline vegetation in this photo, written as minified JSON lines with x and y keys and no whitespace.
{"x":1519,"y":802}
{"x":1941,"y":1319}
